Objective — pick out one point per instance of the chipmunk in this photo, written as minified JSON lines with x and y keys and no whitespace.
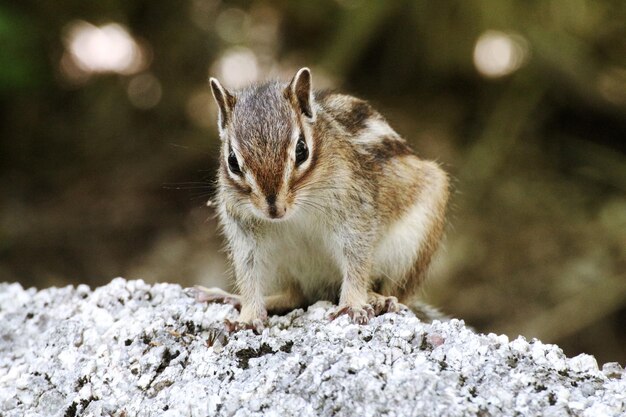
{"x":320,"y":199}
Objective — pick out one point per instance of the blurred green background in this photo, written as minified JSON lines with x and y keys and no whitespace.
{"x":108,"y":141}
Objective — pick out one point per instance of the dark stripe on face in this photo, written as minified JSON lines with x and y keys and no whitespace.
{"x":295,"y":182}
{"x":269,"y":174}
{"x":271,"y":204}
{"x":241,"y":188}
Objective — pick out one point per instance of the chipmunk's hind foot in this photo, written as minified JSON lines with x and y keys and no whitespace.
{"x":216,"y":295}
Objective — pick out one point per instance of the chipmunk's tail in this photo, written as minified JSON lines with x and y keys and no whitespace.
{"x":426,"y":313}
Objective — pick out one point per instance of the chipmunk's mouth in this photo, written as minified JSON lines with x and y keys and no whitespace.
{"x":276,"y":209}
{"x":278,"y":216}
{"x":272,"y":210}
{"x":273,"y":218}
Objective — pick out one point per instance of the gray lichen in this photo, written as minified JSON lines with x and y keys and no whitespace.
{"x":132,"y":349}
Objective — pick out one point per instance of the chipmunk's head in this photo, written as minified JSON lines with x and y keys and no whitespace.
{"x":267,"y":143}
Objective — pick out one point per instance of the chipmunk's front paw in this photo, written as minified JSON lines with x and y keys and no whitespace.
{"x":358,"y":315}
{"x":256,"y":326}
{"x":384,"y":304}
{"x":249,"y":319}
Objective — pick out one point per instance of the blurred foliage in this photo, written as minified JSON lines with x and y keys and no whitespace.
{"x":19,"y":70}
{"x":106,"y":174}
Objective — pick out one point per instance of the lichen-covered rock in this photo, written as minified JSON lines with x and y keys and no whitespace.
{"x":132,"y":349}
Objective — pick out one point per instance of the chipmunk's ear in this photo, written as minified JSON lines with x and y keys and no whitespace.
{"x":225,"y":102}
{"x":301,"y":92}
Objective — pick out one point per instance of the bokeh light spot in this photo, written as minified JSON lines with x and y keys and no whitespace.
{"x":232,"y":25}
{"x":202,"y":13}
{"x":199,"y":109}
{"x":612,"y":85}
{"x":144,"y":91}
{"x":497,"y":54}
{"x":108,"y":48}
{"x":237,"y":67}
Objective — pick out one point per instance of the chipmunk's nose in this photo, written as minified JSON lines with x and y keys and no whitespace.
{"x":276,"y":211}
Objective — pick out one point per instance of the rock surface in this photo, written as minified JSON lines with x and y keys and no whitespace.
{"x":132,"y":349}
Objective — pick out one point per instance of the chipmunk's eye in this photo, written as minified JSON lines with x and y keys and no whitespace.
{"x":302,"y":152}
{"x":233,"y":164}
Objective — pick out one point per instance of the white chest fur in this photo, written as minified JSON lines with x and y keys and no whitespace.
{"x":304,"y":250}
